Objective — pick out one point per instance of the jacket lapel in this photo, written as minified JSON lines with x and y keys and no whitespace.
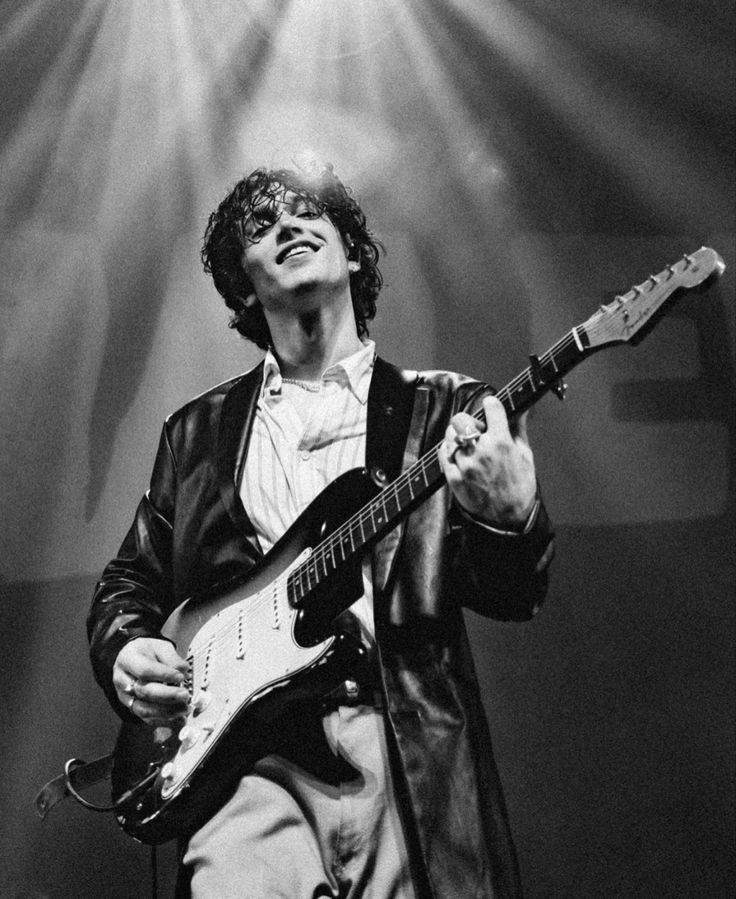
{"x":395,"y":428}
{"x":236,"y":422}
{"x":397,"y":416}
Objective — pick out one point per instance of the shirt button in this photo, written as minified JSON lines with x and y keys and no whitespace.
{"x":304,"y":454}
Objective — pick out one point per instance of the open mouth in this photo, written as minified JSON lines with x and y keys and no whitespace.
{"x":293,"y":250}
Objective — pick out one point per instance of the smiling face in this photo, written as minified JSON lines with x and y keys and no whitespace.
{"x":294,"y":255}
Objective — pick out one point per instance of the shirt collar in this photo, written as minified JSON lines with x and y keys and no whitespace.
{"x":355,"y":371}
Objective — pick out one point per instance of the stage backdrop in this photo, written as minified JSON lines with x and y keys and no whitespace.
{"x":522,"y":162}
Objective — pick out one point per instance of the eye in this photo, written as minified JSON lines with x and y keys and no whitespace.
{"x":256,"y":227}
{"x":307,"y":210}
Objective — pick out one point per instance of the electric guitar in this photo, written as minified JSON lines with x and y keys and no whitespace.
{"x":259,"y":648}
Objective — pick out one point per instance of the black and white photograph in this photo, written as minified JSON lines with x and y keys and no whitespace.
{"x":367,"y":440}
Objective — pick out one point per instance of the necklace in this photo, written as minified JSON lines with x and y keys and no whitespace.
{"x":309,"y":386}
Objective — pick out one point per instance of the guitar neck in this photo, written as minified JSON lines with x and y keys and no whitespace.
{"x":545,"y":373}
{"x":395,"y":501}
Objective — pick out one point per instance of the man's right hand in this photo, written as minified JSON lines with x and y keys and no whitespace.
{"x":148,"y":676}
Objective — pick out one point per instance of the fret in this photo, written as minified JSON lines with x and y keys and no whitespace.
{"x":322,"y":557}
{"x":342,"y":544}
{"x":392,"y":502}
{"x":379,"y":518}
{"x":295,"y":588}
{"x":405,"y":494}
{"x":293,"y":595}
{"x":311,"y":574}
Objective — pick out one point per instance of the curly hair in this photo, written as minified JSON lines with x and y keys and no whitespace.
{"x":261,"y":195}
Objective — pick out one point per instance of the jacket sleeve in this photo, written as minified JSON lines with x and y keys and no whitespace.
{"x":499,"y":574}
{"x":135,"y":593}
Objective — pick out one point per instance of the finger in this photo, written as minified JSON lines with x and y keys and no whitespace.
{"x":156,"y":715}
{"x":496,"y":418}
{"x":445,"y":450}
{"x":149,"y":658}
{"x":162,"y":695}
{"x":463,"y":423}
{"x":142,"y":669}
{"x":451,"y":452}
{"x":167,"y":654}
{"x":124,"y":684}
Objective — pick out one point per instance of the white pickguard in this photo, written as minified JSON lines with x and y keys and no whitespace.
{"x":240,"y":654}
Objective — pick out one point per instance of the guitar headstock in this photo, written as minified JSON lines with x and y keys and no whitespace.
{"x":626,"y":317}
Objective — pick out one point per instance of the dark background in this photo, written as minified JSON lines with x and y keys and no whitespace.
{"x":522,"y":162}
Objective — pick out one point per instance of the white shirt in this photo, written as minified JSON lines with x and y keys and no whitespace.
{"x":301,"y":441}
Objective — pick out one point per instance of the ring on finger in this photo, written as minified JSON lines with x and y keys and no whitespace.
{"x":469,"y":438}
{"x":132,"y":702}
{"x":130,"y":688}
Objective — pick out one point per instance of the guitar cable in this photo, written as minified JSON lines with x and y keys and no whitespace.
{"x":120,"y":801}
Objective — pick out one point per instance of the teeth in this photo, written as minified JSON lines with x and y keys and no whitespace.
{"x":298,"y":250}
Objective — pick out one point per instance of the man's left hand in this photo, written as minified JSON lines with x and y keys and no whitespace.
{"x":490,"y":470}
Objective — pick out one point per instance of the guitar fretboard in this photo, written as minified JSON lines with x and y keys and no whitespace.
{"x":384,"y":511}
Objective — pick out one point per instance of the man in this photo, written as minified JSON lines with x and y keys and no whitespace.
{"x":405,"y":800}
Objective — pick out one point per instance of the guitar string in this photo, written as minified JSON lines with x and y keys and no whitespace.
{"x":347,"y":529}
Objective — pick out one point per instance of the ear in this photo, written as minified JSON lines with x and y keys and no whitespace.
{"x":353,"y":255}
{"x":250,"y":301}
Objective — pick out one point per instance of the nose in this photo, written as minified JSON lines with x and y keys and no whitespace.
{"x":287,"y":224}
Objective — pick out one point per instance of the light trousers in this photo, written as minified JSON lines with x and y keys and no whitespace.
{"x":284,"y":834}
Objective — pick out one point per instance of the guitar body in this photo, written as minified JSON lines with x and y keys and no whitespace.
{"x":246,"y":642}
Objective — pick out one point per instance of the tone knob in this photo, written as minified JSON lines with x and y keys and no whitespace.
{"x":187,"y":736}
{"x":201,"y":701}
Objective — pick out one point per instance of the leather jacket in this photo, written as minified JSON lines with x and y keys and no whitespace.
{"x":191,"y":531}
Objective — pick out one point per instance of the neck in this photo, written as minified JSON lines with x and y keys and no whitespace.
{"x":307,"y":344}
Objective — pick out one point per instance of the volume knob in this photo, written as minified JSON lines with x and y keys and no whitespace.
{"x":201,"y":701}
{"x":187,"y":736}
